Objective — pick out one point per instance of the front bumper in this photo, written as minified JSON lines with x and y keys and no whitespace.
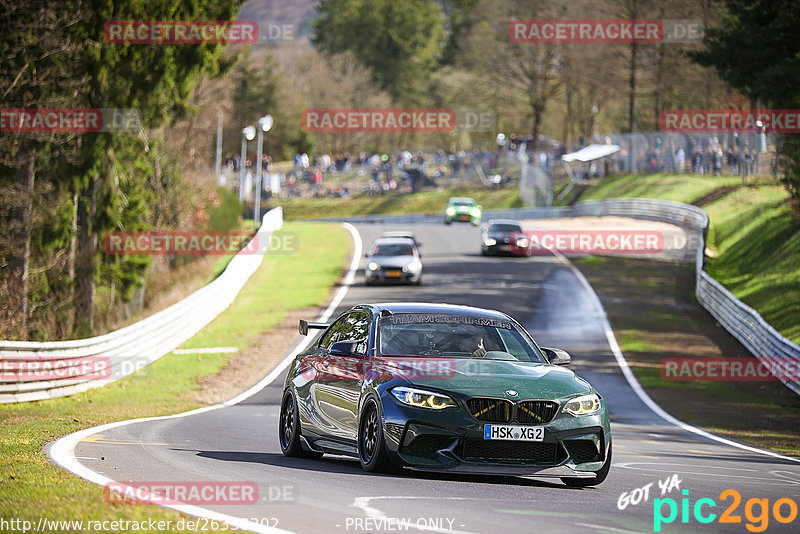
{"x":452,"y":440}
{"x":463,"y":217}
{"x":391,"y":276}
{"x":505,"y":249}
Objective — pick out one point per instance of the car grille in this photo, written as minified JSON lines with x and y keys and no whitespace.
{"x":513,"y":451}
{"x":500,"y":411}
{"x":582,"y":450}
{"x":428,"y":444}
{"x":532,"y":412}
{"x":490,"y":410}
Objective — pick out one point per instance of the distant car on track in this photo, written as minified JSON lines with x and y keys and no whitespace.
{"x":462,"y":209}
{"x":443,"y":388}
{"x":393,"y":260}
{"x":402,"y":234}
{"x":503,"y":236}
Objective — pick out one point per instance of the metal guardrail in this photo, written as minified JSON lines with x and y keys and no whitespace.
{"x":75,"y":366}
{"x":742,"y":321}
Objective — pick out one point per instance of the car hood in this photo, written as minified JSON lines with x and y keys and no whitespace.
{"x":392,"y":261}
{"x":491,"y":378}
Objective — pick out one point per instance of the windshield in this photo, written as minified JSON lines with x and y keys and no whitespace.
{"x":505,"y":228}
{"x":464,"y":203}
{"x":395,"y":249}
{"x":455,"y":336}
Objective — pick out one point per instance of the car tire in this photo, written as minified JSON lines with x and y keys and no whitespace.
{"x":587,"y":482}
{"x":371,"y":442}
{"x":289,"y":429}
{"x":484,"y":252}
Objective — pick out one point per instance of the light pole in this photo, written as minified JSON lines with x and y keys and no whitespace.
{"x":264,"y":124}
{"x":218,"y":162}
{"x":248,"y":133}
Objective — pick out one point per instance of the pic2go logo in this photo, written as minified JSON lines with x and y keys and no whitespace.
{"x":756,"y":511}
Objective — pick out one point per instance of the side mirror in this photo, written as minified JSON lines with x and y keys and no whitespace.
{"x":344,"y":348}
{"x":306,"y":325}
{"x":557,"y":356}
{"x":366,"y":255}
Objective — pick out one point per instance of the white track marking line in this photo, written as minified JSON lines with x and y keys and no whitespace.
{"x":637,"y":388}
{"x":607,"y":529}
{"x":62,"y":451}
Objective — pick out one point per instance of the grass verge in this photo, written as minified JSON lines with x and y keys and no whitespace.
{"x":32,"y":487}
{"x":422,"y":202}
{"x":654,"y":315}
{"x":757,"y":244}
{"x":675,"y":187}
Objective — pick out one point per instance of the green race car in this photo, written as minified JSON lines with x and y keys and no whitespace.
{"x":462,"y":209}
{"x":439,"y":387}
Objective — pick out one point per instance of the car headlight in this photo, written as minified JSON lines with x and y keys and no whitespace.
{"x":522,"y":242}
{"x":413,"y":267}
{"x":451,"y":210}
{"x":489,"y":242}
{"x":372,"y":266}
{"x":422,"y":398}
{"x":583,"y":405}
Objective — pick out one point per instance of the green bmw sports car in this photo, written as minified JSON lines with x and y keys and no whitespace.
{"x":462,"y":209}
{"x":443,"y":388}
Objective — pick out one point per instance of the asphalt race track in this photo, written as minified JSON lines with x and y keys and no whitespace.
{"x":239,"y":443}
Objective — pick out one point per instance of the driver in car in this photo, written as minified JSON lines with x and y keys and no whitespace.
{"x":471,"y":341}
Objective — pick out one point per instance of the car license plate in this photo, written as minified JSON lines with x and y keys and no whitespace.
{"x":513,"y":432}
{"x":394,"y":274}
{"x":505,"y":247}
{"x":464,"y":217}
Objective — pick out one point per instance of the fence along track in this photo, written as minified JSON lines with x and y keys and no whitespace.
{"x":134,"y":346}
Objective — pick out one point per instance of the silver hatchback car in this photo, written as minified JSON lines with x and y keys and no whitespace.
{"x":393,"y":260}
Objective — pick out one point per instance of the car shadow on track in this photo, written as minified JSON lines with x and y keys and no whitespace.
{"x":340,"y":464}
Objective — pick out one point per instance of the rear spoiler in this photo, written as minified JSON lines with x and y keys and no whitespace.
{"x":305,"y":325}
